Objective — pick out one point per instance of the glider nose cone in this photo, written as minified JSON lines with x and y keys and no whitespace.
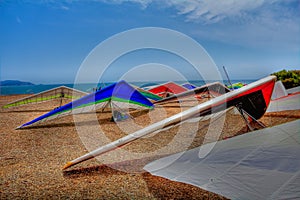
{"x":69,"y":164}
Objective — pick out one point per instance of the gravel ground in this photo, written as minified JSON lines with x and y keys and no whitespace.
{"x":32,"y":158}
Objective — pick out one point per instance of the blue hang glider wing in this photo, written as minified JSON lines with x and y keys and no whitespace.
{"x":121,"y":94}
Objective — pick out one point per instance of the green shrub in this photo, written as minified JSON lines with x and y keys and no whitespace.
{"x":290,"y":78}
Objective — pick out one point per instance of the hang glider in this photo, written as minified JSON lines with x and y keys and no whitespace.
{"x":214,"y":89}
{"x":290,"y":102}
{"x":189,"y":86}
{"x":120,"y":94}
{"x":293,"y":90}
{"x":167,"y":89}
{"x":279,"y":91}
{"x":253,"y":99}
{"x":264,"y":164}
{"x":61,"y":92}
{"x":236,"y":85}
{"x":147,"y":94}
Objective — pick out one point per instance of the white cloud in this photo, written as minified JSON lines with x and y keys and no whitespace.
{"x":213,"y":11}
{"x":257,"y":23}
{"x":207,"y":11}
{"x":19,"y":20}
{"x":143,"y":3}
{"x":64,"y":7}
{"x":203,"y":11}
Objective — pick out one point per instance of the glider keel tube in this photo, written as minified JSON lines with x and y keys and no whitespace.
{"x":131,"y":137}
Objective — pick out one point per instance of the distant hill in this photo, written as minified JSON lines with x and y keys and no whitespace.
{"x":14,"y":83}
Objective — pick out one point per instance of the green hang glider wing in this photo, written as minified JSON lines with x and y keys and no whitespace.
{"x":55,"y":93}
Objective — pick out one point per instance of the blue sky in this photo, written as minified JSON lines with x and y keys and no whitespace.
{"x":47,"y":41}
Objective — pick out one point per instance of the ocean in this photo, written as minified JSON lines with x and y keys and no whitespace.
{"x":88,"y":87}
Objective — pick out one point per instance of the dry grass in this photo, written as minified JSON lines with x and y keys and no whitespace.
{"x":31,"y":159}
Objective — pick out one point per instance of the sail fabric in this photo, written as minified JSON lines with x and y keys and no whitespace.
{"x":189,"y":86}
{"x":293,"y":90}
{"x":263,"y":164}
{"x":150,"y":95}
{"x":236,"y":85}
{"x":55,"y":93}
{"x":279,"y":91}
{"x":166,"y":89}
{"x":290,"y":102}
{"x":215,"y":89}
{"x":147,"y":94}
{"x":121,"y":94}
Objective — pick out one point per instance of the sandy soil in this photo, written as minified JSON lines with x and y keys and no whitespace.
{"x":31,"y":159}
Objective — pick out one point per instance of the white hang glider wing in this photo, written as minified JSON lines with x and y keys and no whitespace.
{"x":263,"y":164}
